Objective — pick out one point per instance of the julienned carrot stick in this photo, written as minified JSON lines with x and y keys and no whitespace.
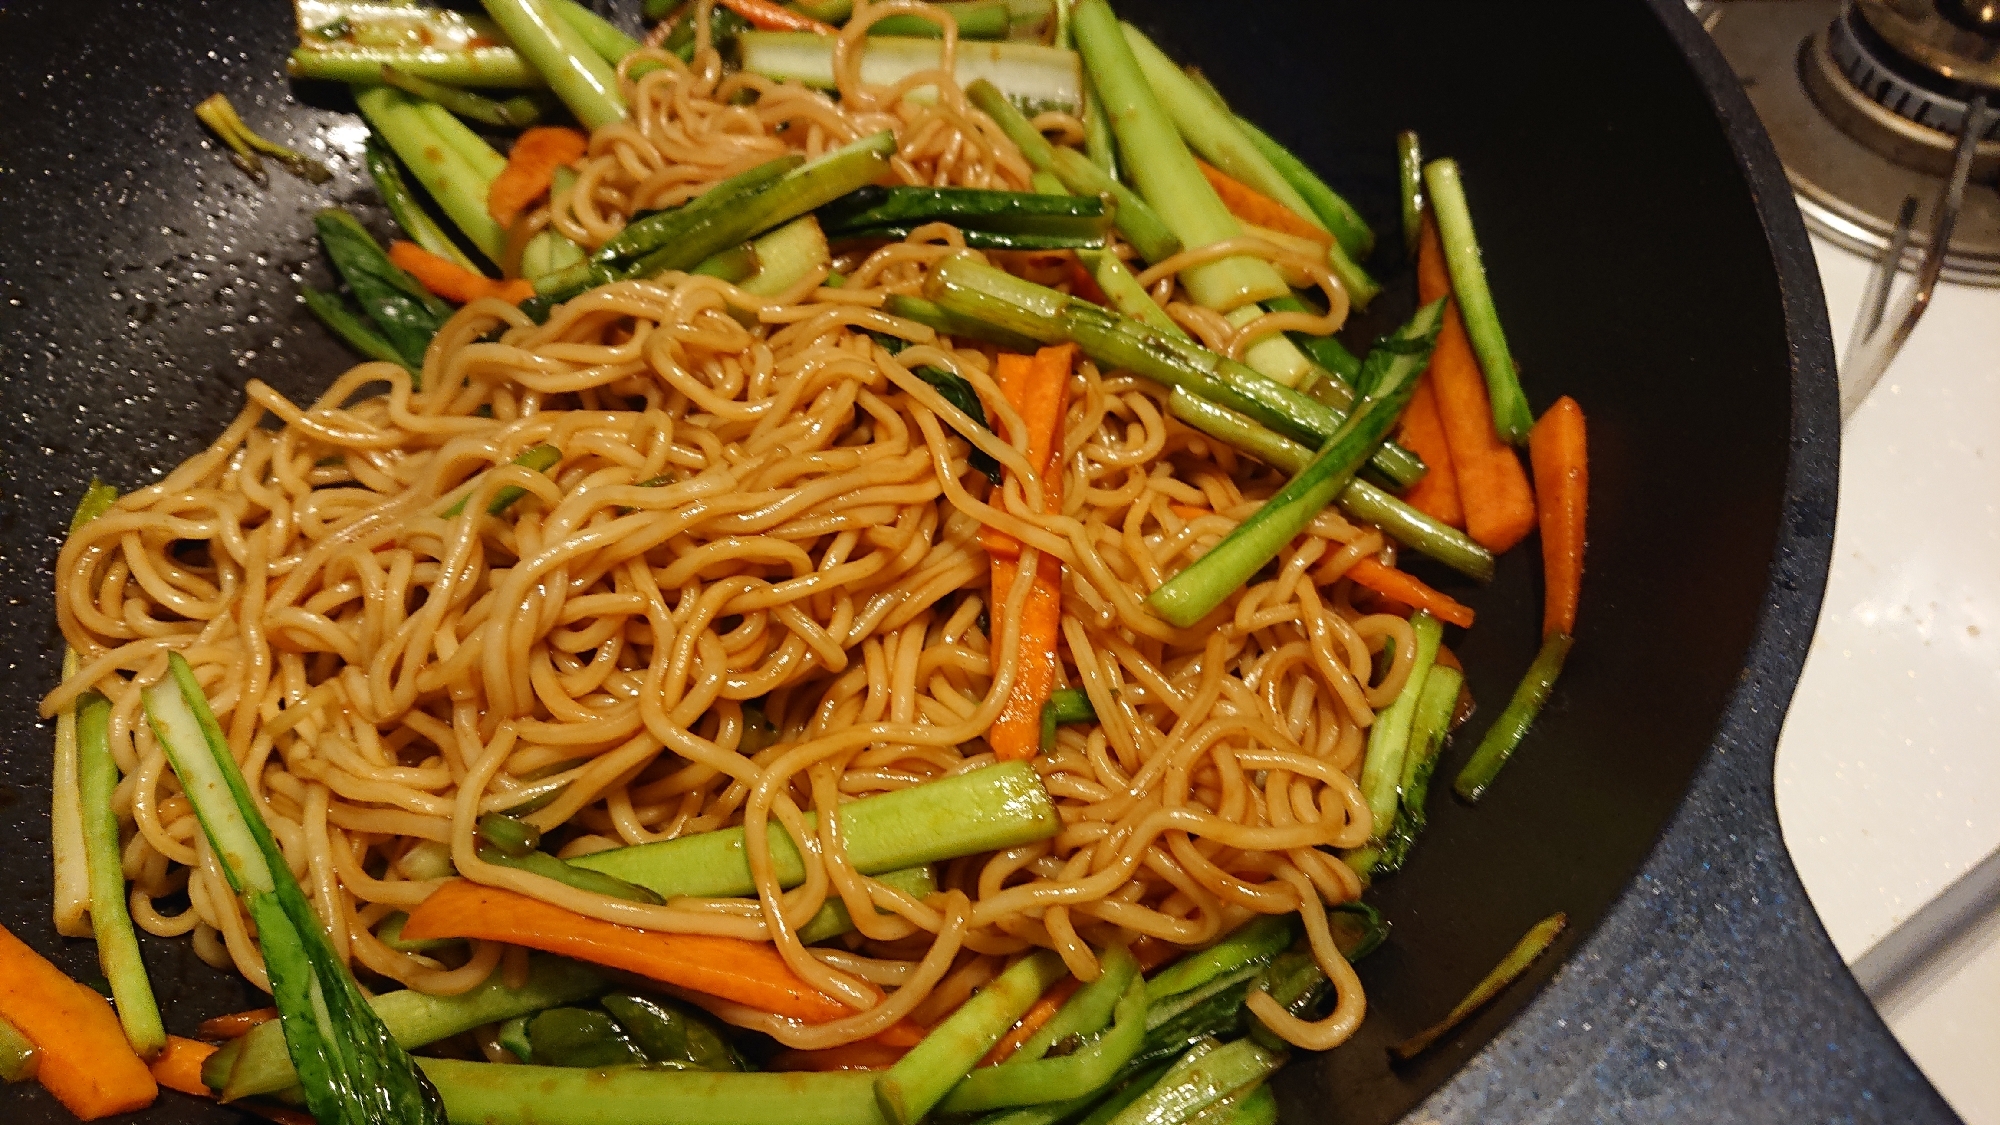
{"x":1044,"y":1010}
{"x":1253,"y":206}
{"x":84,"y":1059}
{"x":452,"y":281}
{"x":235,"y":1025}
{"x":748,"y":972}
{"x":531,"y":169}
{"x":767,"y":16}
{"x":178,"y":1067}
{"x":1499,"y":504}
{"x":1557,"y":450}
{"x":1436,"y":493}
{"x":1038,"y":389}
{"x":1394,"y":583}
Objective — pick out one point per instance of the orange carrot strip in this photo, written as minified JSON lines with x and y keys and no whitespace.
{"x":178,"y":1067}
{"x":1084,"y":285}
{"x":1393,"y":583}
{"x":1436,"y":494}
{"x":1556,"y":449}
{"x":767,"y":16}
{"x":235,"y":1025}
{"x":865,"y":1055}
{"x":902,"y":1033}
{"x":531,"y":169}
{"x":1044,"y":1010}
{"x":1253,"y":206}
{"x":1190,"y":511}
{"x":84,"y":1059}
{"x":452,"y":281}
{"x":748,"y":972}
{"x":1499,"y":504}
{"x":1038,"y":389}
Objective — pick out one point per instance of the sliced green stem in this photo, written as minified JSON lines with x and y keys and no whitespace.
{"x":1475,"y":301}
{"x":17,"y":1055}
{"x":513,"y":113}
{"x":1098,"y":142}
{"x":976,"y":19}
{"x":1335,"y":213}
{"x":1532,"y":945}
{"x":507,"y":1094}
{"x":409,"y":214}
{"x":939,"y":319}
{"x":110,"y":917}
{"x":574,"y":70}
{"x":1035,"y":1080}
{"x":1427,"y":734}
{"x":493,"y":67}
{"x":1035,"y":77}
{"x":248,"y":147}
{"x":1389,"y":738}
{"x":968,"y":209}
{"x":353,"y":328}
{"x":539,"y":459}
{"x":1326,"y":351}
{"x":920,"y":1079}
{"x":786,"y":257}
{"x":1162,"y":168}
{"x":415,"y":1018}
{"x":1195,"y":592}
{"x":1126,"y":295}
{"x":1200,"y":1080}
{"x":346,"y":41}
{"x":1253,"y":943}
{"x":458,"y":187}
{"x":1506,"y":733}
{"x":999,"y":806}
{"x":603,"y":36}
{"x":1410,"y":178}
{"x":1068,"y":705}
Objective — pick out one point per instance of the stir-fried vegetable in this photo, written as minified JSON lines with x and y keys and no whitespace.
{"x":80,"y":1053}
{"x":1532,"y":945}
{"x":110,"y":918}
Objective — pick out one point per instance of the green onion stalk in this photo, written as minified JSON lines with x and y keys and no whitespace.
{"x":1475,"y":301}
{"x":572,"y":67}
{"x":1195,"y":592}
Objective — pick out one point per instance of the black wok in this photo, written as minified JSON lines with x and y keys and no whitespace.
{"x":1648,"y":260}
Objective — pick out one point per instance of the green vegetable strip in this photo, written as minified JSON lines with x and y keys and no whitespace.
{"x":484,"y":158}
{"x":514,"y":113}
{"x":731,"y":265}
{"x":1098,"y":143}
{"x":603,"y":36}
{"x":353,"y":1072}
{"x":549,"y":867}
{"x":787,"y":256}
{"x":1335,"y":213}
{"x":1193,"y":593}
{"x":1258,"y":1107}
{"x":71,"y":865}
{"x":1163,"y":169}
{"x":1088,"y":1011}
{"x":1135,"y":219}
{"x":939,"y":319}
{"x":110,"y":918}
{"x":1427,"y":733}
{"x":984,"y":239}
{"x":1410,"y":177}
{"x":1532,"y":945}
{"x":1208,"y":127}
{"x":1389,"y":741}
{"x":974,"y":291}
{"x":541,"y":459}
{"x":1060,"y":1079}
{"x":403,"y":206}
{"x":1034,"y":76}
{"x":1252,"y":943}
{"x":969,"y":208}
{"x":1326,"y":351}
{"x":1131,"y":1090}
{"x":501,"y":67}
{"x":574,"y":70}
{"x":17,"y":1055}
{"x":1359,"y":499}
{"x":1200,"y":1080}
{"x":833,"y":919}
{"x":645,"y":235}
{"x":976,"y":19}
{"x":1126,"y":295}
{"x":416,"y":1018}
{"x":460,"y":190}
{"x":1506,"y":732}
{"x":358,"y":334}
{"x":999,"y":806}
{"x":920,"y":1079}
{"x":1068,"y":705}
{"x":1475,"y":301}
{"x":506,"y":1094}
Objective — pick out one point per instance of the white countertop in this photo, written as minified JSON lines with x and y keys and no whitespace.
{"x":1888,"y":771}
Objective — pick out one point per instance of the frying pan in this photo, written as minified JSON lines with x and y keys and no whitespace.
{"x":1648,"y":260}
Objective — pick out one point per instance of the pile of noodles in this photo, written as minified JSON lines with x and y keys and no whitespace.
{"x":755,"y":502}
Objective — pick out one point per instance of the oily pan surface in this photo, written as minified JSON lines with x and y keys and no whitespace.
{"x":147,"y":279}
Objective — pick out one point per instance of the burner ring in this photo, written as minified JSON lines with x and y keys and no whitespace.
{"x":1917,"y":30}
{"x":1904,"y":89}
{"x":1899,"y":137}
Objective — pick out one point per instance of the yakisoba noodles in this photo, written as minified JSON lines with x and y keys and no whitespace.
{"x":755,"y":501}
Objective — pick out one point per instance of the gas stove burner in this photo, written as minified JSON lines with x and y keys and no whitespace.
{"x":1864,"y":102}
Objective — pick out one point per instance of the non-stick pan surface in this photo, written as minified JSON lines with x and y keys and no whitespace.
{"x":1647,"y":260}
